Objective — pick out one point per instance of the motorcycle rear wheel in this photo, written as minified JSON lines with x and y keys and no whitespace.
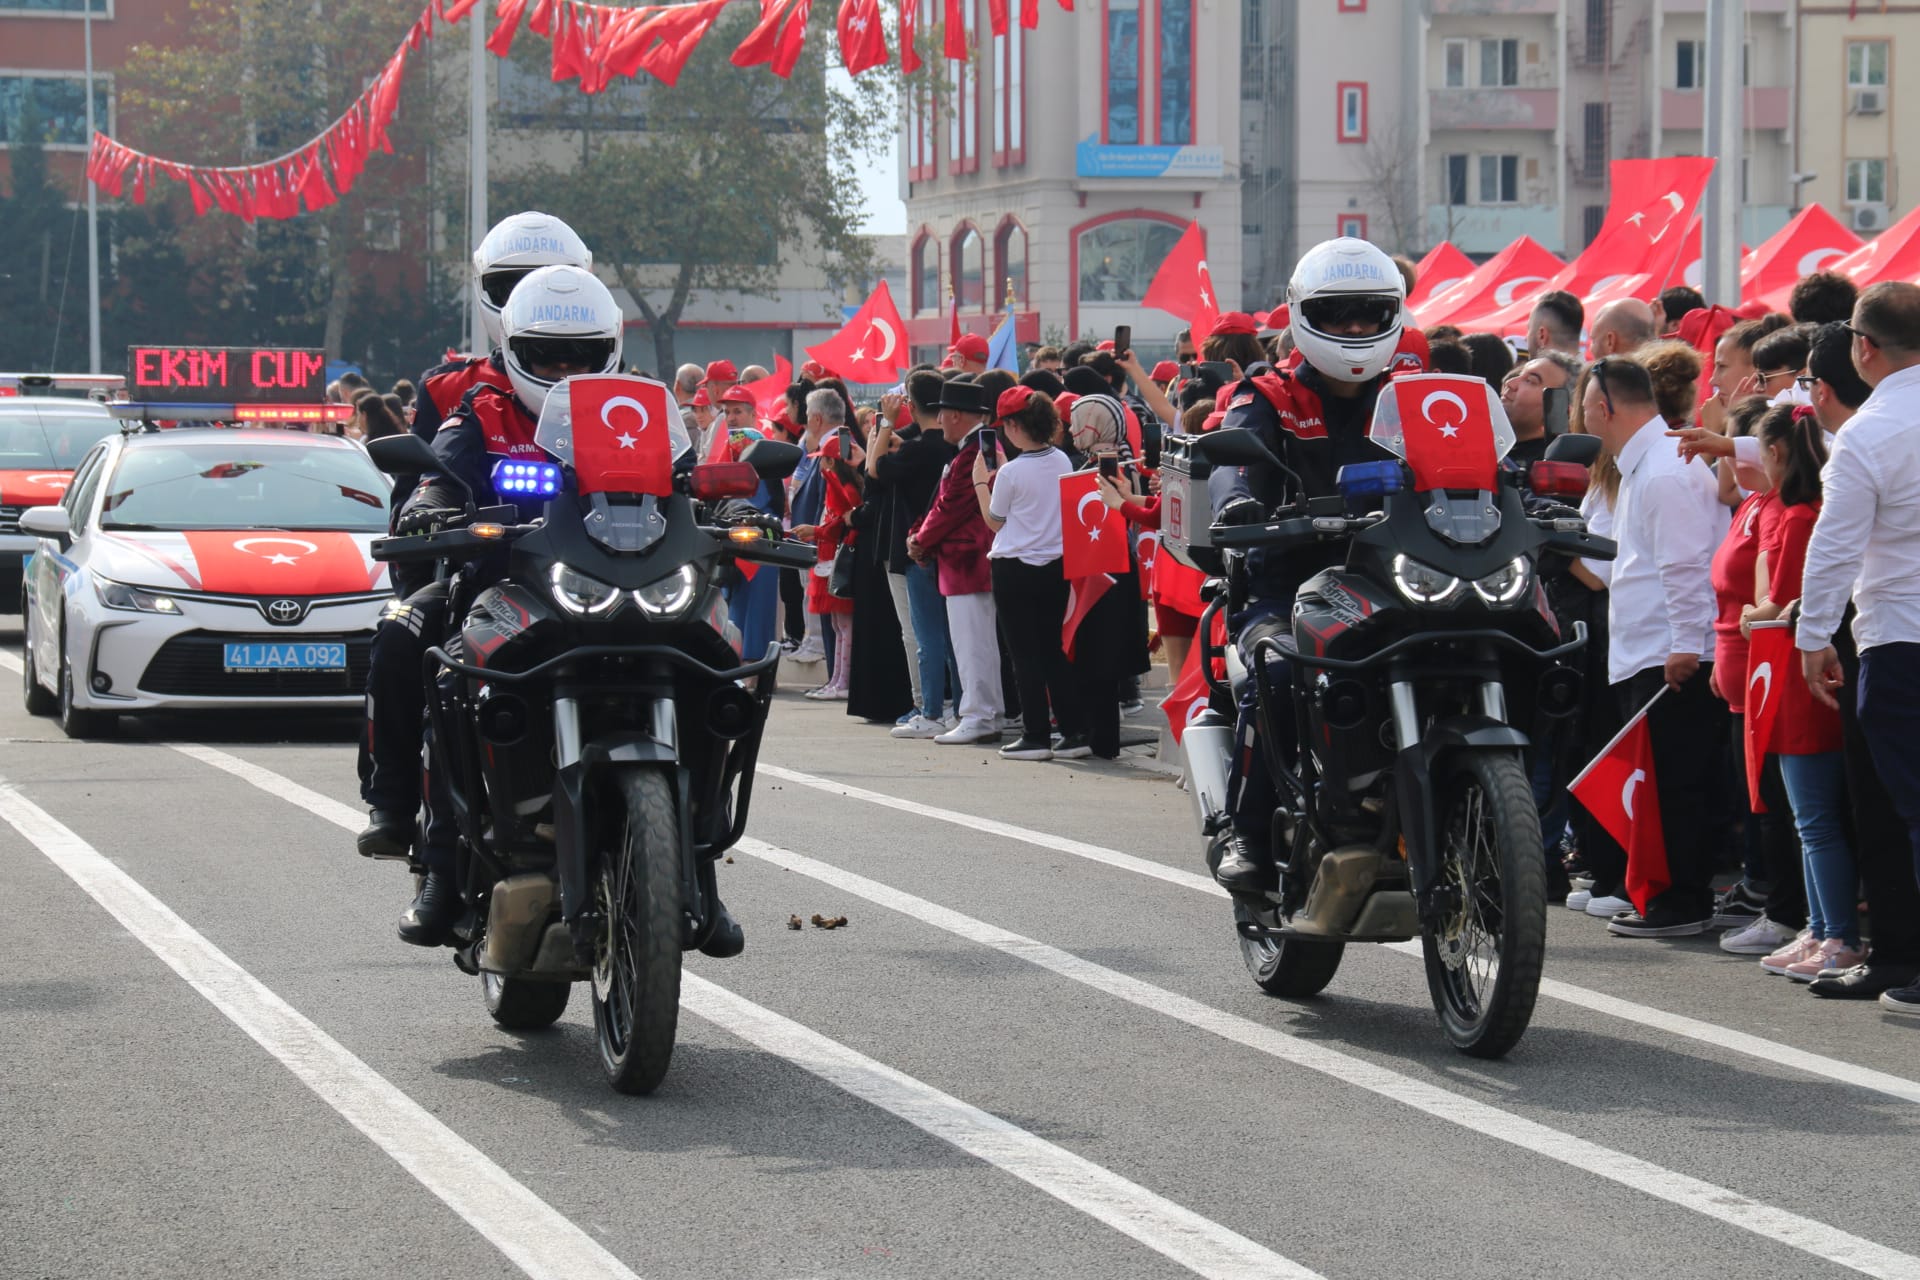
{"x":636,"y":977}
{"x":1288,"y":966}
{"x":524,"y":1004}
{"x":1483,"y":964}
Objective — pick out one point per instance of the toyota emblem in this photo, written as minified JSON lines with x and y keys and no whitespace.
{"x":285,"y":612}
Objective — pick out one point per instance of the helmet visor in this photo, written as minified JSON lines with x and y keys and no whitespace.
{"x":556,"y":358}
{"x":1358,"y":315}
{"x":498,"y":285}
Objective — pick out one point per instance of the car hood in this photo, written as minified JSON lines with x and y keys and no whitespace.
{"x":244,"y":562}
{"x":35,"y":488}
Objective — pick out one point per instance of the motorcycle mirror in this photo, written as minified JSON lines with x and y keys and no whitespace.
{"x":405,"y":454}
{"x":1584,"y":450}
{"x":1235,"y":448}
{"x":772,"y":459}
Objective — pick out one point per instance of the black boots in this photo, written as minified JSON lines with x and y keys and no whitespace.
{"x":435,"y":910}
{"x":726,"y":938}
{"x":1245,"y":866}
{"x":389,"y":834}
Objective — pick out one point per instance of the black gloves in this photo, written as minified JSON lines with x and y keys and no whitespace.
{"x":416,"y":520}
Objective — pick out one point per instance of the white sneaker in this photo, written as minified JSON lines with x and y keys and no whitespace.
{"x":1608,"y":907}
{"x":1012,"y":724}
{"x":1761,"y":938}
{"x":1578,"y":899}
{"x":919,"y":727}
{"x":968,"y":732}
{"x":810,"y":650}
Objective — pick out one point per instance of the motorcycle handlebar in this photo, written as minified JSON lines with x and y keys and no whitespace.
{"x":1287,"y":532}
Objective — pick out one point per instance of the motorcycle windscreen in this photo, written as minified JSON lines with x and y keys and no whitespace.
{"x":619,"y":433}
{"x":1448,"y":427}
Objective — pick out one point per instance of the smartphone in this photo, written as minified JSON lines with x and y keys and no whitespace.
{"x":1122,"y":340}
{"x":990,"y":447}
{"x":846,"y":444}
{"x":1221,"y":371}
{"x":1555,"y":402}
{"x":1110,"y":466}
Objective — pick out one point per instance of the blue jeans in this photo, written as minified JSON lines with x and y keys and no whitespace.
{"x":1817,"y":788}
{"x":928,"y":609}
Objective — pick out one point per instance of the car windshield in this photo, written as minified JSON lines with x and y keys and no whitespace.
{"x":237,"y":485}
{"x":50,"y":438}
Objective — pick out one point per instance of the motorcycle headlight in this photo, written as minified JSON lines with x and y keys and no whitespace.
{"x":1504,"y":586}
{"x":580,"y":595}
{"x":118,"y":595}
{"x":671,"y":596}
{"x":1424,"y":584}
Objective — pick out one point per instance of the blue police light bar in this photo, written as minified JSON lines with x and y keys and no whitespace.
{"x":526,"y":479}
{"x":1369,"y":479}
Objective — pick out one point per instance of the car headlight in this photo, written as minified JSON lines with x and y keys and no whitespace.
{"x":118,"y":595}
{"x":1423,"y":584}
{"x":1504,"y":586}
{"x":671,"y":596}
{"x":579,"y":594}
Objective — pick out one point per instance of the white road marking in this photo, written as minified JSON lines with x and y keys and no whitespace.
{"x":1720,"y":1037}
{"x":530,"y":1232}
{"x":1199,"y":1244}
{"x":1681,"y":1190}
{"x":1196,"y":1243}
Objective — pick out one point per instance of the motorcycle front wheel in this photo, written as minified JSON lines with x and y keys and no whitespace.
{"x":636,"y":975}
{"x":524,"y":1004}
{"x":1291,"y":967}
{"x":1484,"y":955}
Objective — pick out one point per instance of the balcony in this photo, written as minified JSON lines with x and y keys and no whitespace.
{"x":1493,"y":109}
{"x":1686,"y":109}
{"x":1489,"y":228}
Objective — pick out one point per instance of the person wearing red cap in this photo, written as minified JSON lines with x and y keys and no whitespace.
{"x":1165,"y":372}
{"x":702,"y":409}
{"x":721,"y":374}
{"x":969,"y":354}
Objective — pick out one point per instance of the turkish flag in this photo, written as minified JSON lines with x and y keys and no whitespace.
{"x":1146,"y":548}
{"x":619,"y":425}
{"x":1894,"y":254}
{"x":1189,"y":697}
{"x":955,"y":44}
{"x":1443,"y":266}
{"x":770,"y":392}
{"x":1516,"y":274}
{"x":862,"y":43}
{"x":1082,"y":595}
{"x":1620,"y":791}
{"x":872,"y":346}
{"x":1445,"y":422}
{"x":909,"y":56}
{"x":33,"y":488}
{"x":1813,"y":241}
{"x":763,"y":42}
{"x":1783,"y":717}
{"x":1093,"y":536}
{"x":1184,"y":287}
{"x":265,"y":562}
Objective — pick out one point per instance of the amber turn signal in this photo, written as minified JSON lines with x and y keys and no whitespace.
{"x":487,"y":530}
{"x":744,"y":534}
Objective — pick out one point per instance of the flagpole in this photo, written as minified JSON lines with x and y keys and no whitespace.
{"x":477,"y":221}
{"x":1613,"y":742}
{"x":93,"y":212}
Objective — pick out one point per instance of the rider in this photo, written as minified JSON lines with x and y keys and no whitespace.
{"x":1346,"y":310}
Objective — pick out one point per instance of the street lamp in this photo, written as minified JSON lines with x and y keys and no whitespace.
{"x":1794,"y":182}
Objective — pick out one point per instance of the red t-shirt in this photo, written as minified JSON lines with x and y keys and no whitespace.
{"x":1733,"y":579}
{"x":1804,"y":727}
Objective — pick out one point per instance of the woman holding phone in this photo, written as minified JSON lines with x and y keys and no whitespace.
{"x":1020,"y":501}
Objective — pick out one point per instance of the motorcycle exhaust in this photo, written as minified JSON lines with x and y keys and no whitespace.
{"x":730,"y":712}
{"x":502,"y":718}
{"x":520,"y":907}
{"x":1208,"y":743}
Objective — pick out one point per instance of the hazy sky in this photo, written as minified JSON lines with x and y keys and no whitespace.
{"x":880,"y":183}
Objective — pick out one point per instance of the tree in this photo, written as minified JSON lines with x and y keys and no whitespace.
{"x":731,"y":170}
{"x":43,"y":283}
{"x":1388,"y":168}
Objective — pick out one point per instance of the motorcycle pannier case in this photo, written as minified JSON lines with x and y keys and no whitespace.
{"x":1186,"y":512}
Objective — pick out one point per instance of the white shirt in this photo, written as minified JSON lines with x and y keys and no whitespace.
{"x":1668,"y":521}
{"x":1599,"y":514}
{"x":1026,"y":494}
{"x":1867,"y":540}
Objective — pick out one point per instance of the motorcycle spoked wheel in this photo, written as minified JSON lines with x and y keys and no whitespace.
{"x":636,"y":975}
{"x":524,"y":1004}
{"x":1286,"y":966}
{"x":1484,"y":960}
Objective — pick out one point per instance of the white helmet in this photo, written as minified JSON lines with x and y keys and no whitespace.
{"x":515,"y":246}
{"x":558,"y":316}
{"x":1335,"y":284}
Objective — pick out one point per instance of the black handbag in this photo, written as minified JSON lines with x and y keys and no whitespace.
{"x":840,"y":581}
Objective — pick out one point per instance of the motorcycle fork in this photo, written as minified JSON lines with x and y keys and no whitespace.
{"x":1413,"y":775}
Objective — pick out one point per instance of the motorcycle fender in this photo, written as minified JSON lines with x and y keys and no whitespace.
{"x":570,"y":786}
{"x":1415,"y":769}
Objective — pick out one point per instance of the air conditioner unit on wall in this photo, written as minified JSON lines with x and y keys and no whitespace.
{"x":1869,"y":102}
{"x":1869,"y":217}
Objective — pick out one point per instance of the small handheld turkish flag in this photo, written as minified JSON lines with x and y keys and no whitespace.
{"x":1184,"y":286}
{"x":1187,"y":701}
{"x":1447,"y":426}
{"x":1147,"y":550}
{"x":1093,"y":536}
{"x":1782,"y":715}
{"x":621,"y":429}
{"x":1620,"y":791}
{"x":872,"y":346}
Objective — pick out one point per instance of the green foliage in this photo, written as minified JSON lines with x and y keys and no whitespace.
{"x":43,"y":266}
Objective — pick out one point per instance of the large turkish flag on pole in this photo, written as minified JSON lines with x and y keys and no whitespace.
{"x":1184,"y":286}
{"x":872,"y":346}
{"x":1620,"y":791}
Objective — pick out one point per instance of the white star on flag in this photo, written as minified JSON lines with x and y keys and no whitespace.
{"x":1449,"y":431}
{"x":858,"y":23}
{"x":283,"y":558}
{"x":626,"y":441}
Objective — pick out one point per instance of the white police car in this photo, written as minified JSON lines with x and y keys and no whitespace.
{"x":42,"y":439}
{"x":204,"y":569}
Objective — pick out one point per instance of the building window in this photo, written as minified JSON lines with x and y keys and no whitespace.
{"x":1010,"y":97}
{"x":59,"y":107}
{"x":1456,"y":178}
{"x":1010,"y":262}
{"x":1351,"y":224}
{"x":52,"y":7}
{"x":1454,"y":59}
{"x":1690,"y":65}
{"x":1353,"y":6}
{"x":923,"y":161}
{"x":1866,"y":182}
{"x":1592,"y":218}
{"x":1866,"y":64}
{"x":1594,"y":119}
{"x":529,"y":99}
{"x":1123,"y":72}
{"x":1499,"y":179}
{"x":1118,"y":259}
{"x":969,"y":269}
{"x":1499,"y":64}
{"x":1353,"y":112}
{"x":963,"y":122}
{"x":1599,"y":43}
{"x":383,"y":230}
{"x":926,"y":274}
{"x":1176,"y":59}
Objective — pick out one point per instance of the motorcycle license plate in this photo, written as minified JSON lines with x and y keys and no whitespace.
{"x":286,"y":657}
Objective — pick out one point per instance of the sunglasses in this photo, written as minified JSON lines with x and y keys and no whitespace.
{"x":557,"y":353}
{"x":1805,"y":381}
{"x":1336,"y":312}
{"x":1600,"y":380}
{"x":1764,"y":378}
{"x":1861,"y":334}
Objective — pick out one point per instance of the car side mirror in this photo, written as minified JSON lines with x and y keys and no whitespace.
{"x":772,"y":459}
{"x":1582,"y":449}
{"x":47,"y":522}
{"x":404,"y":454}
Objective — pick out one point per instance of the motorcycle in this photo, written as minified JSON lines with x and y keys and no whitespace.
{"x":1409,"y":676}
{"x":595,"y":725}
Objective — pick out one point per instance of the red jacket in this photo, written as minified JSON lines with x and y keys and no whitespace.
{"x":832,"y":531}
{"x":955,"y":532}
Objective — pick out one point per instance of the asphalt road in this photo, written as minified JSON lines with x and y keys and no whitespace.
{"x":1034,"y":1051}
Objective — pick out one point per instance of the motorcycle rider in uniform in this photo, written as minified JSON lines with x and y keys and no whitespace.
{"x":1346,"y":310}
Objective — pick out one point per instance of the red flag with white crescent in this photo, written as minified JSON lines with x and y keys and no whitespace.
{"x":1782,"y":715}
{"x":1446,"y":421}
{"x":1147,"y":549}
{"x":1187,"y":701}
{"x":872,"y":347}
{"x":620,"y":428}
{"x":1082,"y":595}
{"x":1619,"y":789}
{"x":260,"y":562}
{"x":862,"y":42}
{"x":1183,"y":286}
{"x":1093,"y":536}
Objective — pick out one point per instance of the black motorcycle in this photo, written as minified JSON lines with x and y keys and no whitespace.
{"x":1414,"y":677}
{"x":597,"y":730}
